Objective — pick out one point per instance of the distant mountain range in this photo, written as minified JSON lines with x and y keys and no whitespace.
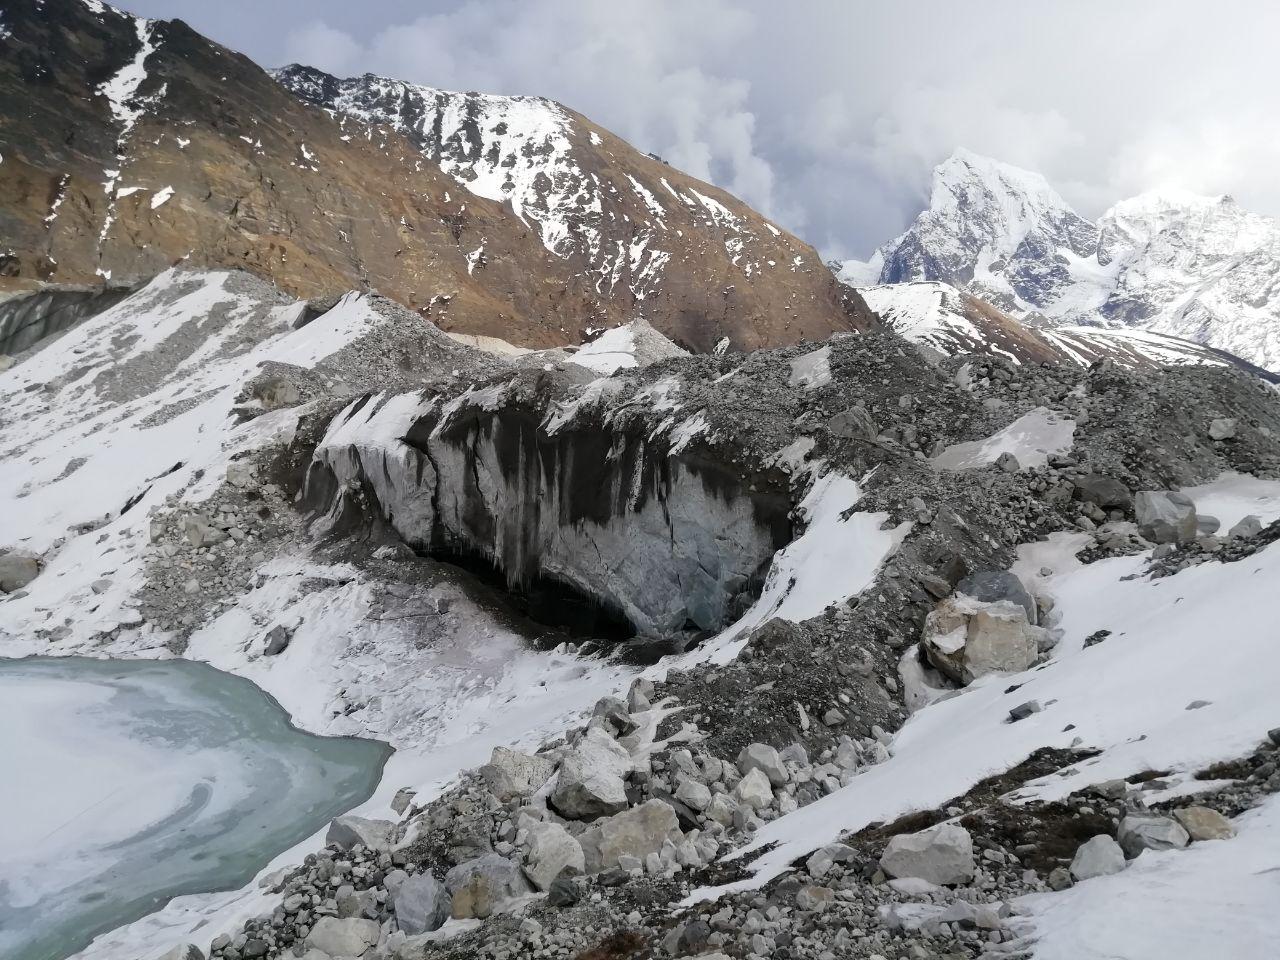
{"x":1197,"y":268}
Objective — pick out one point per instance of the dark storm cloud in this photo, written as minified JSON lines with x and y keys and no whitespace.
{"x":829,"y":115}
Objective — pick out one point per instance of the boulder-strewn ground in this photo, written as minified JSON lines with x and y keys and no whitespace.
{"x":912,"y":648}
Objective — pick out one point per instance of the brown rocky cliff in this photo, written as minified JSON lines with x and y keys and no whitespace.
{"x":202,"y":155}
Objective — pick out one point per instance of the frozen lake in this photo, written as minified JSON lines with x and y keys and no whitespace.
{"x":126,"y":783}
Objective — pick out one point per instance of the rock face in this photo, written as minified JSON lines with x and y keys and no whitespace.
{"x":1097,"y":857}
{"x":590,"y":780}
{"x":967,"y":638}
{"x":27,"y":319}
{"x":635,"y":833}
{"x":1200,"y":268}
{"x":648,"y":526}
{"x":1165,"y":516}
{"x":941,"y":855}
{"x":262,"y":178}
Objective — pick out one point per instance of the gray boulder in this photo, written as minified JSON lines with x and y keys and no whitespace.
{"x":762,"y":757}
{"x":1206,"y":525}
{"x":941,"y":855}
{"x":1165,"y":516}
{"x":343,"y":938}
{"x":346,"y":832}
{"x":16,"y":571}
{"x":552,"y":850}
{"x":1105,"y":492}
{"x":591,"y":778}
{"x":753,"y":790}
{"x":637,"y":833}
{"x":1140,"y":832}
{"x":420,"y":903}
{"x":992,"y":585}
{"x":1099,"y":856}
{"x":1246,"y":529}
{"x":510,"y":773}
{"x":854,"y":423}
{"x":482,"y":886}
{"x":278,"y":638}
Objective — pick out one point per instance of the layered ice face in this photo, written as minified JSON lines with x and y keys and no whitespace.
{"x":128,"y":783}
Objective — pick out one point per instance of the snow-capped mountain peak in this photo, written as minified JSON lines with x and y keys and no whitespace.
{"x":1197,"y":267}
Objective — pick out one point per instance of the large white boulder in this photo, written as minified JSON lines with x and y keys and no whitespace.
{"x":637,"y":833}
{"x":591,"y":776}
{"x":762,"y":757}
{"x":510,"y":773}
{"x":1099,"y":856}
{"x":966,"y":638}
{"x":552,"y":849}
{"x":343,"y":938}
{"x":941,"y":855}
{"x":346,"y":832}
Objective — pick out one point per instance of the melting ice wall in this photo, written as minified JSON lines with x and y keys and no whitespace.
{"x":652,"y":529}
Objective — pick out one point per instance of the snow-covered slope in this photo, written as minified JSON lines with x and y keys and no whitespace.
{"x":947,"y":320}
{"x":1198,"y":268}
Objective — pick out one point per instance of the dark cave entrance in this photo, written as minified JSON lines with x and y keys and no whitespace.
{"x":547,"y":601}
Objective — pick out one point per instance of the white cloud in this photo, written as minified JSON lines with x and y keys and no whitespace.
{"x":829,"y":115}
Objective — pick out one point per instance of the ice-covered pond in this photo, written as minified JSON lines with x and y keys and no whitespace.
{"x":126,"y":783}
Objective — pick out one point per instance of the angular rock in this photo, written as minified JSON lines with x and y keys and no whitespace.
{"x":966,"y":638}
{"x":186,"y":951}
{"x":1099,"y":856}
{"x":1246,"y":529}
{"x":1105,"y":492}
{"x":565,"y":891}
{"x":420,"y":903}
{"x":762,"y":757}
{"x":552,"y":851}
{"x":277,"y":641}
{"x":510,"y":773}
{"x":637,"y":832}
{"x":481,"y":886}
{"x":1165,"y":516}
{"x":754,"y":790}
{"x":693,"y":793}
{"x":722,"y":808}
{"x":591,"y":776}
{"x":1140,"y":832}
{"x":941,"y":855}
{"x":1223,"y":428}
{"x":992,"y":585}
{"x":346,"y":832}
{"x":16,"y":571}
{"x":343,"y":938}
{"x":1203,"y":823}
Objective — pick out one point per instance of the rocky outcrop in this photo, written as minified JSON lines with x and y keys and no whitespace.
{"x":27,"y":319}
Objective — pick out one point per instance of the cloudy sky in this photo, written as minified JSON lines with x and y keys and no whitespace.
{"x":829,"y":114}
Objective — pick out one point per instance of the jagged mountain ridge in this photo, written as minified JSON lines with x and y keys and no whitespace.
{"x":946,"y":321}
{"x":1199,"y":268}
{"x":146,"y":144}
